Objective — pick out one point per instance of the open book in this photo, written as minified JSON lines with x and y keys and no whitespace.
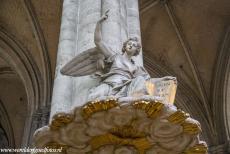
{"x":164,"y":88}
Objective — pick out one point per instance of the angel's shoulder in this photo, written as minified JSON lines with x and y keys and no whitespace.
{"x":113,"y":57}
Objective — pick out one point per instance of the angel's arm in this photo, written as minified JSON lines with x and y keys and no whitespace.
{"x":142,"y":72}
{"x":100,"y":44}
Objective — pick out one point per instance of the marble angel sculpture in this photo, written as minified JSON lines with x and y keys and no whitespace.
{"x":118,"y":73}
{"x":140,"y":119}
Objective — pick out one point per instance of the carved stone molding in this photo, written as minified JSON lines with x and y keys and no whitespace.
{"x":24,"y":65}
{"x":147,"y":5}
{"x":219,"y":90}
{"x":219,"y":149}
{"x":43,"y":51}
{"x":6,"y":70}
{"x":6,"y":125}
{"x":187,"y":51}
{"x":39,"y":119}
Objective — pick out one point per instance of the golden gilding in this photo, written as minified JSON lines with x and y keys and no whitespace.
{"x":197,"y":149}
{"x":141,"y":144}
{"x":152,"y":109}
{"x":178,"y":117}
{"x":98,"y":106}
{"x":191,"y":128}
{"x":61,"y":119}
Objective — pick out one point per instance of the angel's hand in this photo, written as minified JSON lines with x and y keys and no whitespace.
{"x":105,"y":16}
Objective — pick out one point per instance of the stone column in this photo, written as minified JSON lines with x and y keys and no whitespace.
{"x":111,"y":28}
{"x":133,"y":24}
{"x":63,"y":85}
{"x":39,"y":119}
{"x":77,"y":35}
{"x":89,"y":11}
{"x":123,"y":23}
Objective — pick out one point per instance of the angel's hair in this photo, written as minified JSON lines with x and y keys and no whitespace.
{"x":138,"y":45}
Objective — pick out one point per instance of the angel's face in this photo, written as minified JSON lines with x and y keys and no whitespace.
{"x":131,"y":48}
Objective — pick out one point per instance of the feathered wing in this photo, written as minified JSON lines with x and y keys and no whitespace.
{"x":86,"y":63}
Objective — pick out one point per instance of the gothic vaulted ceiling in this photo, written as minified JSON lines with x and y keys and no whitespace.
{"x":189,"y":39}
{"x":29,"y":33}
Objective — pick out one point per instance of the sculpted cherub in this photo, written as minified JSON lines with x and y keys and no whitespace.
{"x":119,"y":75}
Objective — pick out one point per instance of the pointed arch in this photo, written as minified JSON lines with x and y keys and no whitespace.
{"x":221,"y":83}
{"x":24,"y":65}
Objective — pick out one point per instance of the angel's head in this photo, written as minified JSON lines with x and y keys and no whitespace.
{"x":131,"y":47}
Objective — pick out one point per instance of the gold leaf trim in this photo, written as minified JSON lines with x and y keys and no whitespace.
{"x":152,"y":109}
{"x":178,"y":117}
{"x":61,"y":119}
{"x":191,"y":128}
{"x":141,"y":144}
{"x":197,"y":149}
{"x":98,"y":106}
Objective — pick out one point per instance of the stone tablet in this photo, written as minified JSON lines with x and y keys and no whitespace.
{"x":164,"y":88}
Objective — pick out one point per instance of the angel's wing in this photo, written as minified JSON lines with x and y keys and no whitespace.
{"x":86,"y":63}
